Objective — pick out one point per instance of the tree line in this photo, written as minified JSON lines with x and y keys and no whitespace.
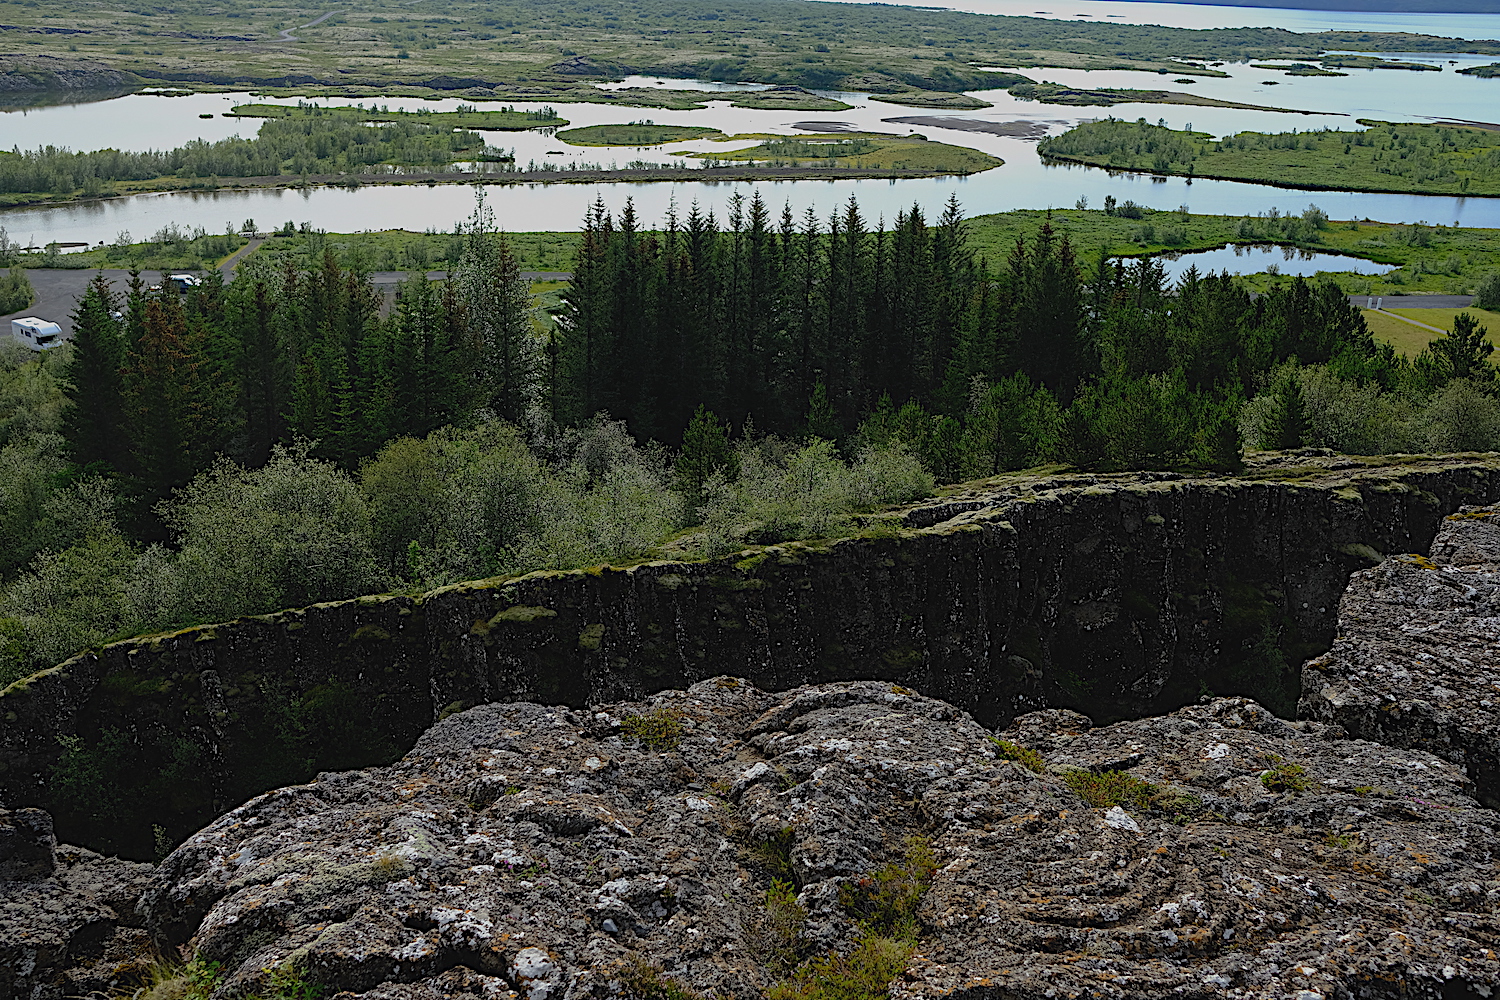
{"x":289,"y":438}
{"x":298,"y":145}
{"x":807,"y":325}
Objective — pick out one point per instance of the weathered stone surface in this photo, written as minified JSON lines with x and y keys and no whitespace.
{"x":1377,"y":879}
{"x":523,"y":850}
{"x":1116,"y":595}
{"x":1417,"y":659}
{"x":68,"y":924}
{"x":35,"y":71}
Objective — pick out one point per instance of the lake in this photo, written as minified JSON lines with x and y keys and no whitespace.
{"x":1255,"y":258}
{"x":142,"y":121}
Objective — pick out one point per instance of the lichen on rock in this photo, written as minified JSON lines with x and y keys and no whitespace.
{"x":547,"y":852}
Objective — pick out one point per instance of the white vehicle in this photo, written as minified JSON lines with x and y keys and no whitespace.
{"x":182,"y":282}
{"x":37,"y":334}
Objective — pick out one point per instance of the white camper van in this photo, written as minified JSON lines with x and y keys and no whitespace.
{"x":37,"y":334}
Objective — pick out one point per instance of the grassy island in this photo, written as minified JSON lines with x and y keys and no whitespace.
{"x":1056,"y":93}
{"x":1400,"y":158}
{"x":506,"y":119}
{"x":636,"y":134}
{"x":863,"y":150}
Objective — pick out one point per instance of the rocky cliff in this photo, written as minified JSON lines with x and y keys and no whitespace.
{"x":849,"y":839}
{"x":1417,"y":658}
{"x":33,"y":71}
{"x":1118,"y":596}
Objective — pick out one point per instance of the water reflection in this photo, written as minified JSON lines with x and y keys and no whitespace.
{"x":1255,"y":258}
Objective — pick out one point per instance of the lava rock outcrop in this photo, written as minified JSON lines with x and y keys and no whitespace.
{"x":1119,"y":596}
{"x":1417,"y":658}
{"x":520,"y":850}
{"x":68,"y":921}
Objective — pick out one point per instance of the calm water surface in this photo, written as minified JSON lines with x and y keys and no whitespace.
{"x":143,"y":122}
{"x":1255,"y":259}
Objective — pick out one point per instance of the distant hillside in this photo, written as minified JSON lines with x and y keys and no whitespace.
{"x":1369,"y":6}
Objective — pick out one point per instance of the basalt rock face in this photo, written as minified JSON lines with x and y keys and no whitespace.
{"x":42,"y":72}
{"x":1417,"y":659}
{"x":1115,"y":595}
{"x":68,"y":921}
{"x":525,"y":851}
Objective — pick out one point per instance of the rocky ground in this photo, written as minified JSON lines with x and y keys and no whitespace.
{"x":1417,"y":658}
{"x":522,"y":850}
{"x":850,"y":840}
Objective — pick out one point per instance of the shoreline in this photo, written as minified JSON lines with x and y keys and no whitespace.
{"x":1049,"y":159}
{"x":622,"y":175}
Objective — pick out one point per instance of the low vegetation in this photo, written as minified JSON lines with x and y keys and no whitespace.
{"x":659,"y":729}
{"x":883,"y":906}
{"x":16,"y":292}
{"x":866,"y":150}
{"x":1425,"y":159}
{"x":642,"y":133}
{"x":1056,"y":93}
{"x":470,"y":117}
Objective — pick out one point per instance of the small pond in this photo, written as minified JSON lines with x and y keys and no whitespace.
{"x":1246,"y":258}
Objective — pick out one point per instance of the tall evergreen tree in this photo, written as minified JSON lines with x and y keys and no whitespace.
{"x":497,"y":302}
{"x":94,"y":424}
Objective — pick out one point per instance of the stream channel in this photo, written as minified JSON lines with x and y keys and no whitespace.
{"x":142,"y":121}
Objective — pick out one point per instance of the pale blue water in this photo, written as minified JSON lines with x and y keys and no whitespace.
{"x":141,"y":121}
{"x":1255,"y":259}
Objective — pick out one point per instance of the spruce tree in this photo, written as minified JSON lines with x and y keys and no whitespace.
{"x":170,"y":396}
{"x":705,"y":452}
{"x":497,"y":301}
{"x":94,"y":424}
{"x":1288,"y":425}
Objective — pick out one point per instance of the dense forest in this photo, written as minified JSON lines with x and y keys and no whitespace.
{"x":293,"y":437}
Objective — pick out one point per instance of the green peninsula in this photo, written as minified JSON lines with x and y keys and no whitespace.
{"x":1399,"y":158}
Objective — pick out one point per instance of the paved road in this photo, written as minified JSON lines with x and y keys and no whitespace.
{"x":58,"y":290}
{"x":286,"y":33}
{"x":1413,"y":301}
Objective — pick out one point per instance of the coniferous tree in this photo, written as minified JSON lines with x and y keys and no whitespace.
{"x":497,"y":302}
{"x":94,"y":424}
{"x":170,"y":395}
{"x":1288,"y":425}
{"x":705,"y":452}
{"x":1463,"y":353}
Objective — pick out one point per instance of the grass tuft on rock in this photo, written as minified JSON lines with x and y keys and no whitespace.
{"x":1026,"y":757}
{"x":658,"y":729}
{"x":884,"y":905}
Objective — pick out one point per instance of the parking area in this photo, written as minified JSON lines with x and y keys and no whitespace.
{"x":58,"y":290}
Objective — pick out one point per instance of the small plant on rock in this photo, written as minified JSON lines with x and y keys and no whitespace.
{"x":1284,"y":776}
{"x":1026,"y":757}
{"x":658,"y":729}
{"x":640,"y":980}
{"x":884,"y":905}
{"x":1102,"y":789}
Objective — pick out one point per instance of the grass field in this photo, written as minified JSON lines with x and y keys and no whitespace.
{"x":542,"y":47}
{"x":636,"y":134}
{"x":1409,"y":339}
{"x":1422,"y":159}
